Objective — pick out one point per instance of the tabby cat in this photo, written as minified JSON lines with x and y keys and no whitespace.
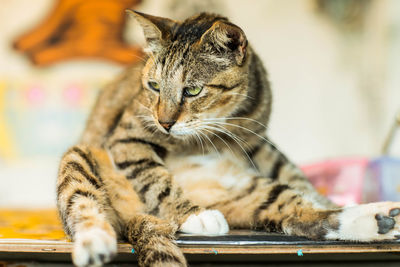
{"x":179,"y":144}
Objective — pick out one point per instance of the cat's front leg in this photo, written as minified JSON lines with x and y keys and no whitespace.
{"x":275,"y":207}
{"x":206,"y":222}
{"x":272,"y":163}
{"x":138,"y":160}
{"x":84,"y":210}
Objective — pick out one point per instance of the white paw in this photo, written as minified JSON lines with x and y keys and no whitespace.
{"x":93,"y":247}
{"x":208,"y":222}
{"x":369,"y":222}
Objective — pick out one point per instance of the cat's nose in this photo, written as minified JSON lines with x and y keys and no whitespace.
{"x":167,"y":124}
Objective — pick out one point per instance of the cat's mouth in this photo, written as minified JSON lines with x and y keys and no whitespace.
{"x":181,"y":130}
{"x":185,"y":130}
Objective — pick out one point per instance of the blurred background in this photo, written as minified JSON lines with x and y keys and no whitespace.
{"x":334,"y":66}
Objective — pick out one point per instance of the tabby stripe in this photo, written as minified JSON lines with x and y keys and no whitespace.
{"x":254,"y":93}
{"x":79,"y":168}
{"x":144,"y":190}
{"x":127,"y":125}
{"x":183,"y":205}
{"x":281,"y":206}
{"x":155,"y":211}
{"x":161,"y":151}
{"x":163,"y":60}
{"x":192,"y":209}
{"x":276,"y":169}
{"x":66,"y":181}
{"x":168,"y":61}
{"x":184,"y":58}
{"x":165,"y":193}
{"x":181,"y":61}
{"x":160,"y":256}
{"x":223,"y":87}
{"x":74,"y":196}
{"x":249,"y":190}
{"x":126,"y":164}
{"x":144,"y":167}
{"x":274,"y":148}
{"x":88,"y":159}
{"x":257,"y":148}
{"x":272,"y":225}
{"x":272,"y":197}
{"x":115,"y":122}
{"x":291,"y":199}
{"x":142,"y":225}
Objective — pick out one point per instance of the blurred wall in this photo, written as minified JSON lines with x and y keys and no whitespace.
{"x":333,"y":69}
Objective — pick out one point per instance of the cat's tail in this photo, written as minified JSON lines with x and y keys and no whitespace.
{"x":153,"y":240}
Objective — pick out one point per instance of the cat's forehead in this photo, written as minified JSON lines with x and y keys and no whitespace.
{"x":193,"y":28}
{"x":180,"y":60}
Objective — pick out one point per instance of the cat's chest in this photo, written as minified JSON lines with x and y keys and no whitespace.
{"x":223,"y":168}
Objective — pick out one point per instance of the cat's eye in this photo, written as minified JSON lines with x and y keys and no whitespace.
{"x":155,"y":86}
{"x":192,"y":91}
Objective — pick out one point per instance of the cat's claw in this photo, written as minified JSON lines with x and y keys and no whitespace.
{"x":208,"y":222}
{"x":93,"y":247}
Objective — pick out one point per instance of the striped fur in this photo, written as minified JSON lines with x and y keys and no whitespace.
{"x":154,"y":158}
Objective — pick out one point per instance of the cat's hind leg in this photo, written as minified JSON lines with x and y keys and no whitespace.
{"x":153,"y":239}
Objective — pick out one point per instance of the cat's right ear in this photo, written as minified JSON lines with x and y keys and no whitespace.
{"x":229,"y":37}
{"x":157,"y":30}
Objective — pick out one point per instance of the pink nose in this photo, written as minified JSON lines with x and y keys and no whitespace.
{"x":167,"y":125}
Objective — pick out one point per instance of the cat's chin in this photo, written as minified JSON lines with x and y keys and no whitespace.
{"x":181,"y":136}
{"x":180,"y":132}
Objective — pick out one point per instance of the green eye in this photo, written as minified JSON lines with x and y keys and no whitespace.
{"x":192,"y":91}
{"x":155,"y":86}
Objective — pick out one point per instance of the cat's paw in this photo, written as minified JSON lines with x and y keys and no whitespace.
{"x":93,"y":247}
{"x":369,"y":222}
{"x":208,"y":222}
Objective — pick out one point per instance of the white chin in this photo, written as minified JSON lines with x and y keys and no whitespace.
{"x":181,"y":133}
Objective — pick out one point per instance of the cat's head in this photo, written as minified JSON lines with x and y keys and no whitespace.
{"x":196,"y":73}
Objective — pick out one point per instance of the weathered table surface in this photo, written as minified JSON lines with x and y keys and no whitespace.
{"x":37,"y":235}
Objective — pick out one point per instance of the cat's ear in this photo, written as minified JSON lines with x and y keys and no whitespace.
{"x":228,"y":37}
{"x":156,"y":30}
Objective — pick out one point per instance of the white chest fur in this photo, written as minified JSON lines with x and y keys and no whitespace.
{"x":225,"y":169}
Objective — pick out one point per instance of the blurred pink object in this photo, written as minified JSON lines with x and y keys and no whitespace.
{"x":341,"y":180}
{"x":35,"y":95}
{"x":73,"y":94}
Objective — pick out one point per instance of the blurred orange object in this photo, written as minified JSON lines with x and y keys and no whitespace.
{"x":81,"y":29}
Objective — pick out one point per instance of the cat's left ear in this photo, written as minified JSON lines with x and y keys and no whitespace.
{"x":228,"y":37}
{"x":157,"y":30}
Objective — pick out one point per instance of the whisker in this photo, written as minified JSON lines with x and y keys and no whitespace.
{"x":244,"y":128}
{"x":205,"y":129}
{"x":234,"y":137}
{"x":201,"y":142}
{"x":229,"y":133}
{"x":236,"y":118}
{"x":144,"y":106}
{"x":215,"y":148}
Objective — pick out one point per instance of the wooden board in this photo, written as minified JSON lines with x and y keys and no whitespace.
{"x":30,"y":224}
{"x":40,"y":232}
